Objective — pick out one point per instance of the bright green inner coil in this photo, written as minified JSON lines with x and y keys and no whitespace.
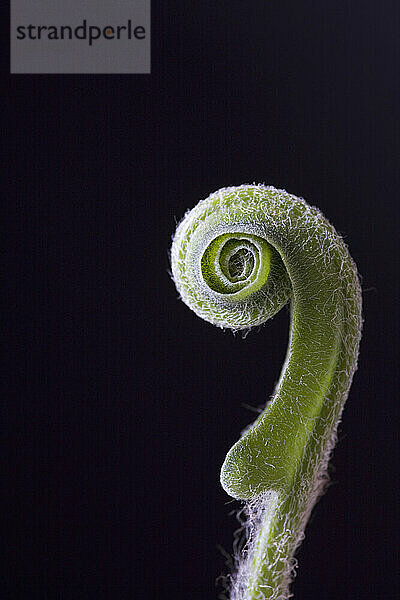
{"x":236,"y":264}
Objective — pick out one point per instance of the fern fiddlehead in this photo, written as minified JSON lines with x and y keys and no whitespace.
{"x":237,"y":258}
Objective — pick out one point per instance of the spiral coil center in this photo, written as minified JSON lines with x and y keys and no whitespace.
{"x":240,"y":264}
{"x":236,"y":262}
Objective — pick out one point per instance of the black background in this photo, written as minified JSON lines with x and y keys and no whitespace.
{"x":124,"y":402}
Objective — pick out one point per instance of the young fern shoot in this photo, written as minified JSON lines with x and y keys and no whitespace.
{"x":237,"y":258}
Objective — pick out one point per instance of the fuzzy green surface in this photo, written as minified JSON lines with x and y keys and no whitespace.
{"x":237,"y":258}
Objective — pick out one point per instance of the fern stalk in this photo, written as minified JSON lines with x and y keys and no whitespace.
{"x":237,"y":258}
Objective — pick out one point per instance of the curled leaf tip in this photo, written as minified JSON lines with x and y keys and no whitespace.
{"x":237,"y":258}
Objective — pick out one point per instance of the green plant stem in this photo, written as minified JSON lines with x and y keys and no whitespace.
{"x":237,"y":258}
